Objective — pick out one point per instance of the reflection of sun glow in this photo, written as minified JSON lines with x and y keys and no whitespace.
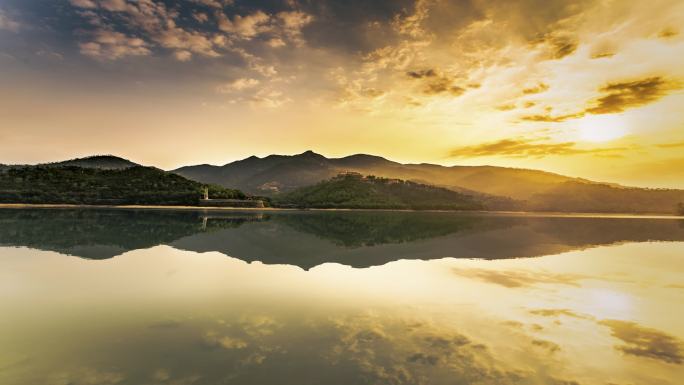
{"x":601,"y":128}
{"x":609,"y":304}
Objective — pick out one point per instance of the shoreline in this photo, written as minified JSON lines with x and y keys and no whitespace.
{"x":278,"y":209}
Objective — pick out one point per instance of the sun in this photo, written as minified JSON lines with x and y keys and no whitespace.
{"x":601,"y":128}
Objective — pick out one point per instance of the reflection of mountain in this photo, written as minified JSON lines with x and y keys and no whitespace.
{"x":308,"y":239}
{"x":101,"y":234}
{"x":373,"y":238}
{"x":366,"y":228}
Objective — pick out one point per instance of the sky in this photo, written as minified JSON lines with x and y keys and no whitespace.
{"x":588,"y":88}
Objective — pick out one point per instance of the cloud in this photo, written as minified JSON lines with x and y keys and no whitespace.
{"x":83,"y":3}
{"x":519,"y":278}
{"x":237,"y":85}
{"x":245,"y":27}
{"x":436,"y":83}
{"x":616,"y":97}
{"x":292,"y":23}
{"x":269,"y":98}
{"x":113,"y":45}
{"x":7,"y":23}
{"x":524,"y":148}
{"x":183,"y":55}
{"x":646,"y":342}
{"x":620,"y":96}
{"x":114,"y":5}
{"x":214,"y":3}
{"x":551,"y":118}
{"x":201,"y":17}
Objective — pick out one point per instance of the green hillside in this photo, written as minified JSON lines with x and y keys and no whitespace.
{"x":78,"y":185}
{"x":356,"y":191}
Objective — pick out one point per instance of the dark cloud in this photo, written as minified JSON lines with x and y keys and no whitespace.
{"x":519,"y":278}
{"x":523,"y":148}
{"x":620,"y":96}
{"x":646,"y":342}
{"x":563,"y":47}
{"x":436,"y":83}
{"x":443,"y":86}
{"x":616,"y":97}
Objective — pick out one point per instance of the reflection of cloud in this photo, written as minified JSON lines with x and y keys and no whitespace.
{"x":547,"y":345}
{"x":645,"y":342}
{"x":541,"y":87}
{"x":212,"y":339}
{"x":675,"y":286}
{"x":523,"y":148}
{"x":551,"y":118}
{"x":519,"y":278}
{"x":671,"y":145}
{"x":166,"y":324}
{"x":559,"y":312}
{"x":88,"y":376}
{"x":398,"y":351}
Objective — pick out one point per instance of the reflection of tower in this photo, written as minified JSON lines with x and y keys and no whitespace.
{"x":204,"y":223}
{"x":206,"y":193}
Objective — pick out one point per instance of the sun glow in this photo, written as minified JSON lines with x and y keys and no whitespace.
{"x":601,"y":128}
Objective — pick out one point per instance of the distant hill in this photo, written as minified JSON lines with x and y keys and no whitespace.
{"x":103,"y":162}
{"x":505,"y":188}
{"x":353,"y":190}
{"x":95,"y":185}
{"x":283,"y":173}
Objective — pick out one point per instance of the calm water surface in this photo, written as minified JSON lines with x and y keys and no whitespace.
{"x":91,"y":297}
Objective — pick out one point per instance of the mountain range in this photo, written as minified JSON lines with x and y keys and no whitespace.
{"x":500,"y":188}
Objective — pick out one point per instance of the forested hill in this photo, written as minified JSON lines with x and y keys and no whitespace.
{"x":358,"y":192}
{"x":105,"y":186}
{"x":106,"y":162}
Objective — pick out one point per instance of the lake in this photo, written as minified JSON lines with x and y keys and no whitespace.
{"x":93,"y":296}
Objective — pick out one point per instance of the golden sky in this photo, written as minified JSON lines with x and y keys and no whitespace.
{"x":584,"y":88}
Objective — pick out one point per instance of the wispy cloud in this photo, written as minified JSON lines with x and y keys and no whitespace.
{"x":524,"y":147}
